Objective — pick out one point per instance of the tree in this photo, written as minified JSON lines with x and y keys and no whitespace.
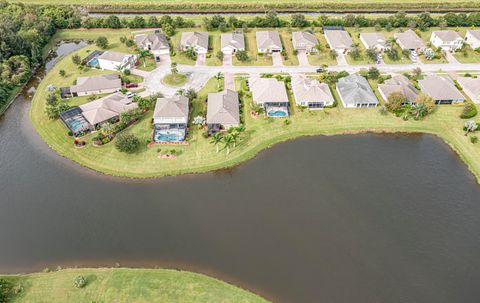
{"x":417,"y":72}
{"x":216,"y":140}
{"x":127,"y":143}
{"x":113,"y":21}
{"x":395,"y":101}
{"x":228,"y":142}
{"x":219,"y":77}
{"x":219,"y":55}
{"x":76,"y":59}
{"x":62,"y":73}
{"x":5,"y":288}
{"x":333,"y":54}
{"x":173,"y":68}
{"x":168,"y":29}
{"x":143,"y":55}
{"x":372,"y":54}
{"x":373,"y":73}
{"x":102,"y":42}
{"x":355,"y":53}
{"x":235,"y":135}
{"x":392,"y":53}
{"x":298,"y":20}
{"x":426,"y":100}
{"x":242,"y":56}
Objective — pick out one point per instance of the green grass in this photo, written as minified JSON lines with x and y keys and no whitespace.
{"x":286,"y":37}
{"x":467,"y":55}
{"x":148,"y":65}
{"x":175,"y":79}
{"x":214,"y":48}
{"x":127,"y":285}
{"x":251,"y":48}
{"x":322,"y":57}
{"x":179,"y":56}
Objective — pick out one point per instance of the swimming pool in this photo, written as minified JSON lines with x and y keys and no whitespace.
{"x":93,"y":62}
{"x":277,"y":113}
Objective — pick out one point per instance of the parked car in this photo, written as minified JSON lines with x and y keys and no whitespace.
{"x":321,"y":69}
{"x":130,"y":95}
{"x":131,"y":85}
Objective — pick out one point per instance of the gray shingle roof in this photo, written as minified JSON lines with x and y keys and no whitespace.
{"x":338,"y":39}
{"x":374,"y":39}
{"x":399,"y":83}
{"x":173,"y":107}
{"x":223,"y":108}
{"x":113,"y":56}
{"x":234,"y":40}
{"x":440,"y":88}
{"x":267,"y":90}
{"x":105,"y":108}
{"x":309,"y":90}
{"x":354,"y":89}
{"x":157,"y":40}
{"x":193,"y":39}
{"x":304,"y":38}
{"x":409,"y":40}
{"x":447,"y":35}
{"x":96,"y":83}
{"x":268,"y":39}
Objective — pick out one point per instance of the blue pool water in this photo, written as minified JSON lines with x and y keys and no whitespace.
{"x":168,"y":138}
{"x":277,"y":114}
{"x":93,"y":62}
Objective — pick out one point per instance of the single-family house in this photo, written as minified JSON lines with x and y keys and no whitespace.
{"x":304,"y":41}
{"x":116,"y":61}
{"x":354,"y":92}
{"x":156,"y":43}
{"x":472,"y":38}
{"x":376,"y":41}
{"x":441,"y":89}
{"x":311,"y":93}
{"x":338,"y":40}
{"x":448,"y":40}
{"x":198,"y":41}
{"x":401,"y":84}
{"x":232,"y":42}
{"x":471,"y":87}
{"x":170,"y":119}
{"x":223,"y":110}
{"x":268,"y":42}
{"x":409,"y":40}
{"x":107,"y":108}
{"x":271,"y":94}
{"x":99,"y":84}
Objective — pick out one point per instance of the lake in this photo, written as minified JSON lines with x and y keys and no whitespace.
{"x":364,"y":218}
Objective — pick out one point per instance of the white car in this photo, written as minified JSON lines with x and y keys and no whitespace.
{"x":130,"y":95}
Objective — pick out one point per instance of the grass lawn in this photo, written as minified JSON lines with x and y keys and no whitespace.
{"x":148,"y":65}
{"x":323,"y":57}
{"x":213,"y":49}
{"x":127,"y":285}
{"x":467,"y":55}
{"x":175,"y":79}
{"x":179,"y":56}
{"x":286,"y":37}
{"x":251,"y":48}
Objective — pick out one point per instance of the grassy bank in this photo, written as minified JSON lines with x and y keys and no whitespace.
{"x":126,"y":285}
{"x":256,"y":6}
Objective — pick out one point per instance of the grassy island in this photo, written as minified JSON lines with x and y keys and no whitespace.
{"x":124,"y":285}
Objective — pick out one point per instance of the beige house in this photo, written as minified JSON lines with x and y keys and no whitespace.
{"x":100,"y":84}
{"x":232,"y":42}
{"x":268,"y":42}
{"x":447,"y":40}
{"x":338,"y":40}
{"x":271,"y":94}
{"x":311,"y":93}
{"x":198,"y":41}
{"x":471,"y":87}
{"x":170,"y":119}
{"x":441,"y":89}
{"x":223,"y":111}
{"x":376,"y":41}
{"x":401,"y":84}
{"x":107,"y":108}
{"x":410,"y":40}
{"x":116,"y":61}
{"x":304,"y":41}
{"x":156,"y":43}
{"x":472,"y":38}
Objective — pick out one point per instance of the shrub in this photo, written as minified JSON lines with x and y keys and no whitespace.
{"x":242,"y":56}
{"x":79,"y":282}
{"x":5,"y":288}
{"x":76,"y":59}
{"x":469,"y":111}
{"x":395,"y":101}
{"x":474,"y":139}
{"x":102,"y":42}
{"x":127,"y":143}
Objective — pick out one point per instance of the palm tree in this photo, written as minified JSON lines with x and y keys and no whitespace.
{"x":216,"y":139}
{"x":228,"y":141}
{"x":219,"y":77}
{"x":106,"y":129}
{"x":142,"y":55}
{"x":173,"y":68}
{"x":235,"y":136}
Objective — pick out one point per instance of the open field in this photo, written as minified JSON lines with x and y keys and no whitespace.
{"x":253,"y":5}
{"x":127,"y":285}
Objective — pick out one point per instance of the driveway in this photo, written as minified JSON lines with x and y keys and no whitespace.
{"x":451,"y":58}
{"x":342,"y":59}
{"x":303,"y":58}
{"x":229,"y":82}
{"x":165,"y":61}
{"x":201,"y":58}
{"x":277,"y":59}
{"x":227,"y":59}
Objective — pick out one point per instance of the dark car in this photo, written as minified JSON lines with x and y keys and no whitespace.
{"x":321,"y":69}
